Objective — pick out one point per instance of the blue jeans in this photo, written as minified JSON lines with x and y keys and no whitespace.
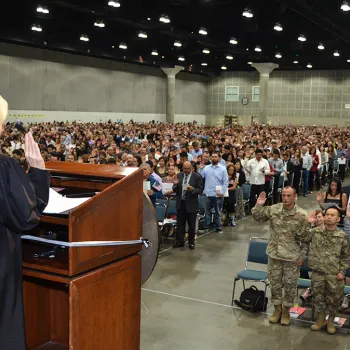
{"x":306,"y":174}
{"x":216,"y":203}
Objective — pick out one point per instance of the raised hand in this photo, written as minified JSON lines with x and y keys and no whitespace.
{"x":261,"y":199}
{"x":319,"y":196}
{"x":312,"y":217}
{"x":3,"y":109}
{"x":32,"y":153}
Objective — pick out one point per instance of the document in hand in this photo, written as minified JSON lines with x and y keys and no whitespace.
{"x":59,"y":204}
{"x":219,"y":188}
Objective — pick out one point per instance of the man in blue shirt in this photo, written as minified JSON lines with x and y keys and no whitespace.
{"x":216,"y":184}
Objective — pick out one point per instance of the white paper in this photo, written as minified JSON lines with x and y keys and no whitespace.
{"x":341,"y":161}
{"x":219,"y":188}
{"x":59,"y":204}
{"x":146,"y":185}
{"x":167,"y":187}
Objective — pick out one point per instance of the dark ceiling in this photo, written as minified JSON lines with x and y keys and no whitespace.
{"x":319,"y":20}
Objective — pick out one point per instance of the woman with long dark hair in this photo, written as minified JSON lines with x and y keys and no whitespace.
{"x":297,"y":162}
{"x":230,"y":201}
{"x":314,"y":176}
{"x":334,"y":195}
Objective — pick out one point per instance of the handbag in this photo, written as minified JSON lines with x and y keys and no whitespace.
{"x":252,"y":299}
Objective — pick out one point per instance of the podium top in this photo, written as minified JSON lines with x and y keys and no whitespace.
{"x":95,"y":170}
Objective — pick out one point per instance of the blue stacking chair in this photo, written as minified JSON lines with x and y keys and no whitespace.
{"x":302,"y":282}
{"x":347,"y":290}
{"x":256,"y":254}
{"x":246,"y":194}
{"x":160,"y":212}
{"x":162,"y":201}
{"x":171,"y":207}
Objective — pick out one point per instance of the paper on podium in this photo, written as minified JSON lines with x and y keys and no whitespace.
{"x":59,"y":204}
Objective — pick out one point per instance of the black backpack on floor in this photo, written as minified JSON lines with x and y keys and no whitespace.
{"x":252,"y":299}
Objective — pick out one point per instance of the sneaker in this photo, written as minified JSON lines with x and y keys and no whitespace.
{"x":203,"y":231}
{"x":345,"y":303}
{"x":219,"y":231}
{"x":233,"y":223}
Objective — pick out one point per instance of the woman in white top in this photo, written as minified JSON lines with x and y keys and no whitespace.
{"x":324,"y":158}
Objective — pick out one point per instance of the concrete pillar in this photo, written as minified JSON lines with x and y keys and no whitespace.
{"x":264,"y":69}
{"x":171,"y":93}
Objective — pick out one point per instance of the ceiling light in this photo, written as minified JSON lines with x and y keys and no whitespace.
{"x":295,"y":62}
{"x":302,"y":37}
{"x":233,"y":41}
{"x":202,"y":31}
{"x":278,"y":55}
{"x":320,"y":46}
{"x":181,"y":58}
{"x":154,"y":53}
{"x":206,"y":51}
{"x":247,"y":13}
{"x":164,"y":19}
{"x":99,"y":24}
{"x":148,"y":19}
{"x":249,"y":62}
{"x":309,"y":65}
{"x":177,"y":43}
{"x":123,"y":46}
{"x":143,"y":35}
{"x":336,"y":54}
{"x":278,"y":27}
{"x":258,"y":49}
{"x":114,"y":3}
{"x":36,"y":28}
{"x":223,"y":67}
{"x":229,"y":57}
{"x":204,"y":64}
{"x":42,"y":9}
{"x":348,"y":61}
{"x":345,"y":6}
{"x":84,"y":38}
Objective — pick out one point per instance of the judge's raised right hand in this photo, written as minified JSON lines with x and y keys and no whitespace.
{"x":32,"y":153}
{"x":261,"y":199}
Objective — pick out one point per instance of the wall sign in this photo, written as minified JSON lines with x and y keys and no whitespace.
{"x":245,"y":101}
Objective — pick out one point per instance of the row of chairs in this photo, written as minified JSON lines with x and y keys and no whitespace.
{"x":257,"y":254}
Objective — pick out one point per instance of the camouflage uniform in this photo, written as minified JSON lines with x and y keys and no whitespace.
{"x":284,"y":249}
{"x":329,"y":254}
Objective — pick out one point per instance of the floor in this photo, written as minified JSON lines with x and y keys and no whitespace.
{"x":186,"y":302}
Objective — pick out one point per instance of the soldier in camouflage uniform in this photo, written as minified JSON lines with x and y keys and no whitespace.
{"x":285,"y":250}
{"x":329,"y":259}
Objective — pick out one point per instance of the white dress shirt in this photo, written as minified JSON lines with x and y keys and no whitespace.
{"x":257,"y":177}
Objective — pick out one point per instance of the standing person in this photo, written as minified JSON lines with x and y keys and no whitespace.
{"x":22,"y":199}
{"x":230,"y":201}
{"x":188,"y":188}
{"x":256,"y":169}
{"x":324,"y":165}
{"x":314,"y":176}
{"x":307,"y":165}
{"x":285,"y":252}
{"x":329,"y":259}
{"x":297,"y":161}
{"x":277,"y":165}
{"x":341,"y":154}
{"x":332,"y":157}
{"x":216,"y":184}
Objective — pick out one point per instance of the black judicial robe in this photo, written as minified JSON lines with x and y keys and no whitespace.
{"x":23,"y":197}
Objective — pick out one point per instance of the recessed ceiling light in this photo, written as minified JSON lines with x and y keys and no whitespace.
{"x":336,"y":54}
{"x":204,"y":64}
{"x":345,"y":6}
{"x":42,"y":9}
{"x":84,"y":38}
{"x":295,"y":62}
{"x":123,"y":46}
{"x":309,"y":65}
{"x":348,"y":61}
{"x":143,"y":35}
{"x":229,"y":57}
{"x":223,"y":67}
{"x":154,"y":53}
{"x":247,"y":13}
{"x":206,"y":51}
{"x":99,"y":24}
{"x":163,"y":57}
{"x":258,"y":49}
{"x":114,"y":3}
{"x":177,"y":43}
{"x":302,"y":37}
{"x":278,"y":27}
{"x":233,"y":41}
{"x":164,"y":19}
{"x":320,"y":46}
{"x":278,"y":55}
{"x":36,"y":28}
{"x":181,"y":58}
{"x":249,"y":62}
{"x":148,"y":19}
{"x":202,"y":31}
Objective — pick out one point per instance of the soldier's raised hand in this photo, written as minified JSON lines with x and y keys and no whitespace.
{"x":261,"y":199}
{"x":319,"y":196}
{"x":312,"y":217}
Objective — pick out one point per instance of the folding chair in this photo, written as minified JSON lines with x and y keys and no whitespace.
{"x":246,"y":195}
{"x":256,"y":254}
{"x":201,"y":212}
{"x":302,"y":282}
{"x":335,"y":168}
{"x":160,"y":213}
{"x":269,"y":195}
{"x":280,"y":188}
{"x":162,"y":201}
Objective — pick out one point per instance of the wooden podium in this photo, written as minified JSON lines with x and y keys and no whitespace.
{"x":87,"y":298}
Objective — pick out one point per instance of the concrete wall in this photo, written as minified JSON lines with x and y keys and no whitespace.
{"x":75,"y":87}
{"x":303,"y":97}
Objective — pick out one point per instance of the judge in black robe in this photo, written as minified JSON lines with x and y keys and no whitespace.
{"x":22,"y":199}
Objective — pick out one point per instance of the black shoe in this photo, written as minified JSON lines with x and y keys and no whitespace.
{"x":178,"y":245}
{"x":191,"y":246}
